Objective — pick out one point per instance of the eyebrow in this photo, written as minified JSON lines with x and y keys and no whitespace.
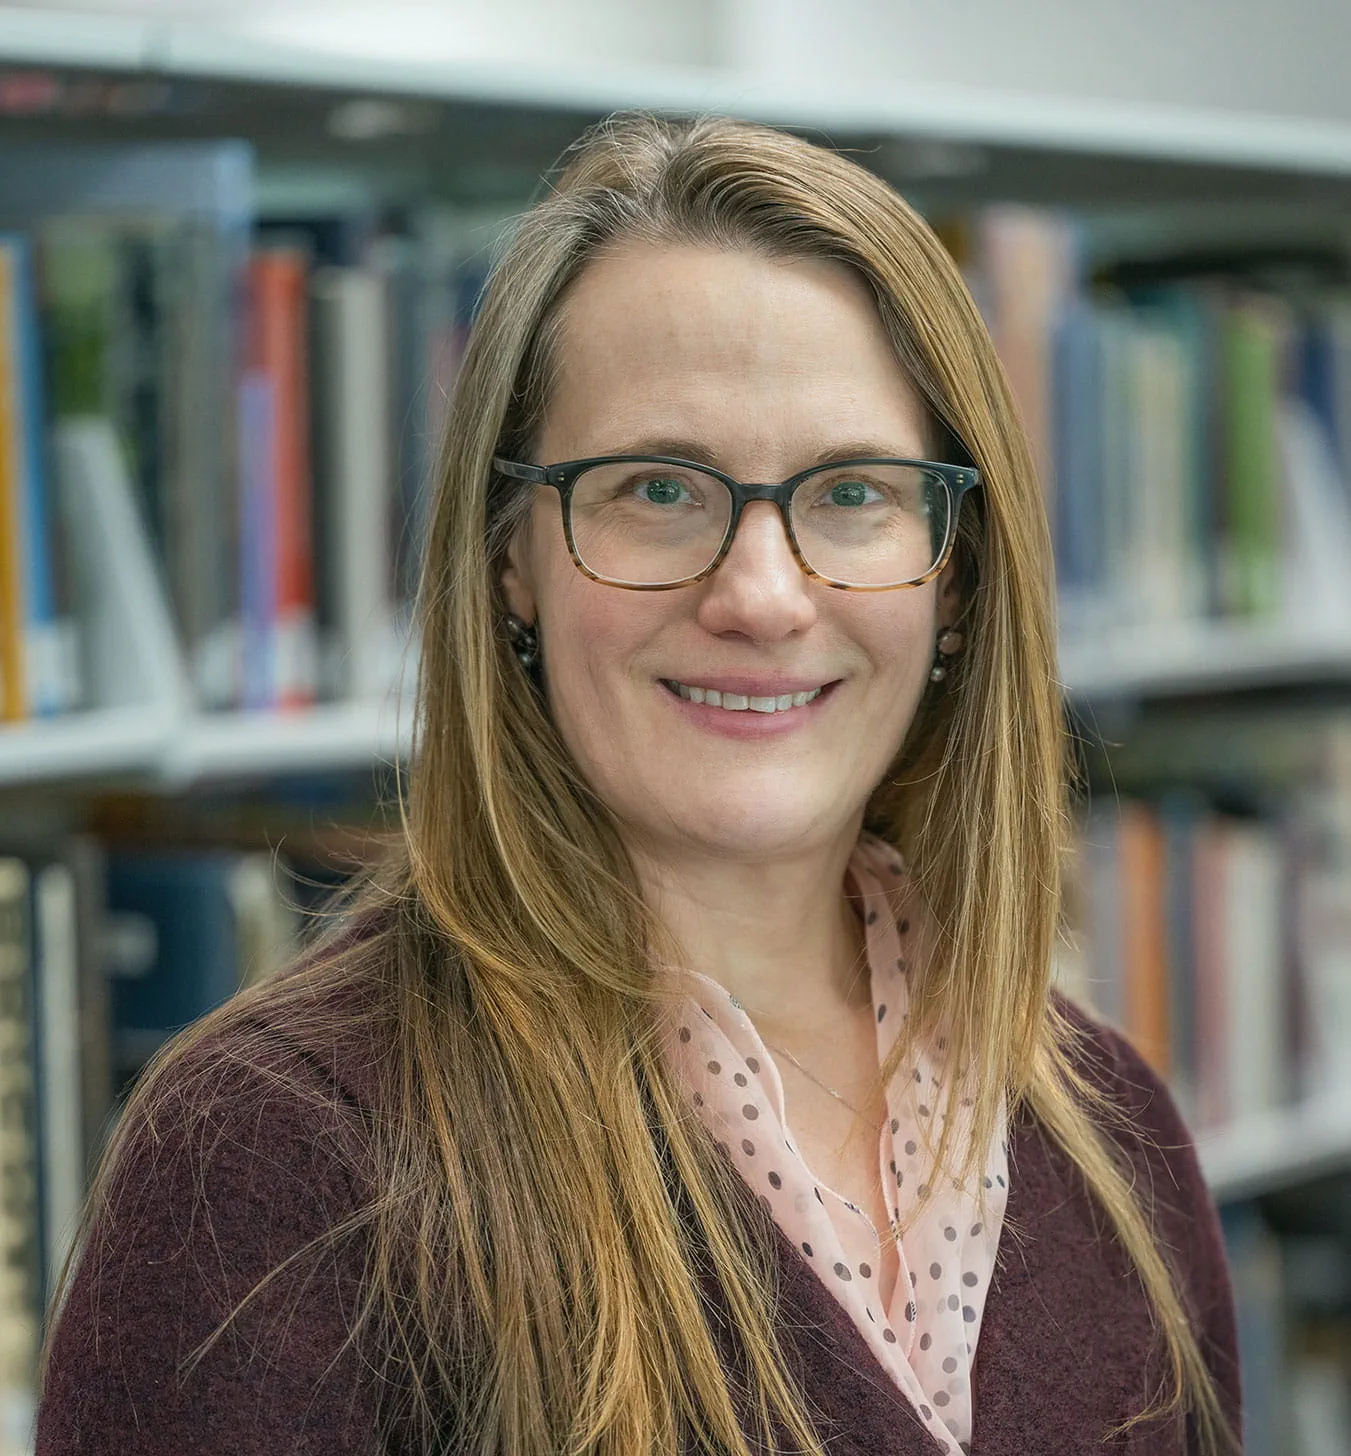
{"x":702,"y":454}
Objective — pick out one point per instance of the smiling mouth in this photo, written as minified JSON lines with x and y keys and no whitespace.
{"x":739,"y":702}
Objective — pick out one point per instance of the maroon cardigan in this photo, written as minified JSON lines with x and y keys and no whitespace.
{"x":196,"y":1221}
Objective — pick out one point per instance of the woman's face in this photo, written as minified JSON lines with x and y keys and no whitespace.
{"x":761,"y":368}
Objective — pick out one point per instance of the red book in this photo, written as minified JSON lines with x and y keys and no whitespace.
{"x":278,"y":289}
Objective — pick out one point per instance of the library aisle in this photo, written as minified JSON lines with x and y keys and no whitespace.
{"x":214,"y":493}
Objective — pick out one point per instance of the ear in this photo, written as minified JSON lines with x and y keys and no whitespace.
{"x":517,"y":579}
{"x":949,"y":599}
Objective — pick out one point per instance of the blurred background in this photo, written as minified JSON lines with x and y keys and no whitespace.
{"x":240,"y":247}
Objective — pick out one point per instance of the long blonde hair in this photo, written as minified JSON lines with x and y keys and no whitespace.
{"x":545,"y":1202}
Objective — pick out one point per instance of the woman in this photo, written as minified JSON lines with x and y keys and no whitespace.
{"x":688,"y":1076}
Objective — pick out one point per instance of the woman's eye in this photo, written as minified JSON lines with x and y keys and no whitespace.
{"x":662,"y":491}
{"x":852,"y":493}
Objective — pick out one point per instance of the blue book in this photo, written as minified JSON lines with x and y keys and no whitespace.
{"x":182,"y":913}
{"x":257,"y":564}
{"x":1077,"y":442}
{"x":1256,"y":1270}
{"x":41,"y":626}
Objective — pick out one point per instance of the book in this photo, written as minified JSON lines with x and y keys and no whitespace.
{"x":131,"y":648}
{"x":1257,"y":1275}
{"x":1145,"y":939}
{"x":352,"y":455}
{"x":141,"y":250}
{"x":280,"y":608}
{"x":1189,"y":923}
{"x":13,"y":669}
{"x":1251,"y":541}
{"x":49,"y":684}
{"x":20,"y":1257}
{"x":190,"y":927}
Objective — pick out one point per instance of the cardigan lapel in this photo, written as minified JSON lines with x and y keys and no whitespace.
{"x":1066,"y":1337}
{"x":863,"y":1408}
{"x":1064,"y":1341}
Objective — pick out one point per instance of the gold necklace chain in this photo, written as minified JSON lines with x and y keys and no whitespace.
{"x":813,"y":1077}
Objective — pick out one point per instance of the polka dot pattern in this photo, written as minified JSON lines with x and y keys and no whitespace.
{"x":924,"y":1333}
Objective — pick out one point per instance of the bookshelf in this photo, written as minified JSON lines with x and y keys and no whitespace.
{"x":1278,"y":1150}
{"x":1211,"y":657}
{"x":167,"y":749}
{"x":162,"y":46}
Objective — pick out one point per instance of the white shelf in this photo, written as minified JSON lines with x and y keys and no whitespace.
{"x":1166,"y":660}
{"x":201,"y":49}
{"x":177,"y":751}
{"x":58,"y":37}
{"x":1278,"y":1149}
{"x":80,"y":745}
{"x":330,"y":737}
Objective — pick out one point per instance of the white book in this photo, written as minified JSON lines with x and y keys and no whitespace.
{"x":1254,"y":953}
{"x":267,"y":923}
{"x":59,"y":1087}
{"x":19,"y":1334}
{"x":1320,"y":1407}
{"x":1317,"y":574}
{"x":132,"y":648}
{"x":351,"y":388}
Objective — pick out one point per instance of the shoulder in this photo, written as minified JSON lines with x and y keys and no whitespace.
{"x":1113,"y":1066}
{"x":299,"y":1059}
{"x":1155,"y":1144}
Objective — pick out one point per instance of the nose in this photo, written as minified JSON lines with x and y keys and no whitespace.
{"x":759,"y":590}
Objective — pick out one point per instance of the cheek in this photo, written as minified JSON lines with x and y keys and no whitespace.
{"x":593,"y":633}
{"x":899,"y":641}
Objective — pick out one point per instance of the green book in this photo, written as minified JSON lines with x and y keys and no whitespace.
{"x":1251,"y":536}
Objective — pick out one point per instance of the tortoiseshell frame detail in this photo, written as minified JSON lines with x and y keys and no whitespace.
{"x":957,"y":480}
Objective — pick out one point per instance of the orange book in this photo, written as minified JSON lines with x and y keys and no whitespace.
{"x":13,"y":690}
{"x":280,"y":281}
{"x":1145,"y":934}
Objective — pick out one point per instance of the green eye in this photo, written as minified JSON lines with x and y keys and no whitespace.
{"x":849,"y":493}
{"x":664,"y":492}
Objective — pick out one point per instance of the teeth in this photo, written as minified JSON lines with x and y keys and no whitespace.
{"x":739,"y":703}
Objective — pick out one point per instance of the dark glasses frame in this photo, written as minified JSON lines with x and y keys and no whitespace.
{"x":957,"y":480}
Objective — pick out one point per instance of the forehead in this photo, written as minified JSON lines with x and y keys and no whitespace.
{"x":759,"y":356}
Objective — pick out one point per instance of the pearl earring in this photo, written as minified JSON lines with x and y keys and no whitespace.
{"x":524,"y":640}
{"x":949,"y":643}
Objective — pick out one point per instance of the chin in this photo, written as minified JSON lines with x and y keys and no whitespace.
{"x":741,"y":823}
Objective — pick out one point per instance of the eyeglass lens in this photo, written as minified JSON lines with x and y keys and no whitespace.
{"x":654,"y":524}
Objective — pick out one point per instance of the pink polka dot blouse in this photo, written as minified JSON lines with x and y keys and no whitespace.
{"x":925,"y":1337}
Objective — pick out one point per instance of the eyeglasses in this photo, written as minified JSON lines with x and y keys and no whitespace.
{"x":651,"y":522}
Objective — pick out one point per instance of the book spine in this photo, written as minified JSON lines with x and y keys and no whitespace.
{"x":1146,"y":940}
{"x":44,"y":634}
{"x":14,"y":705}
{"x":281,"y":327}
{"x":353,"y":440}
{"x":1214,"y":1098}
{"x":19,"y":1216}
{"x":60,"y":1126}
{"x":257,"y":575}
{"x":1251,"y":544}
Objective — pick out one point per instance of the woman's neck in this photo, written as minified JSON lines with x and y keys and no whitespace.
{"x":781,"y":936}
